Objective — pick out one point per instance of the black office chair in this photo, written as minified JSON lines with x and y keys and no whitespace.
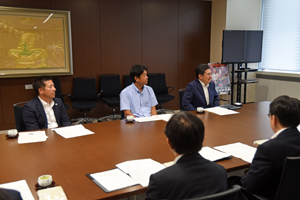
{"x":58,"y":93}
{"x":181,"y":92}
{"x":230,"y":194}
{"x":18,"y":111}
{"x":158,"y":83}
{"x":84,"y":97}
{"x":110,"y":89}
{"x":289,"y":182}
{"x":289,"y":187}
{"x":127,"y":80}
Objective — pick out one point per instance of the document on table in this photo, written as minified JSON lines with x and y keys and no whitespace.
{"x":207,"y":153}
{"x":140,"y":170}
{"x":32,"y":136}
{"x":112,"y":180}
{"x":212,"y":154}
{"x":220,"y":111}
{"x":165,"y":117}
{"x":20,"y":186}
{"x":147,"y":119}
{"x":73,"y":131}
{"x":239,"y":150}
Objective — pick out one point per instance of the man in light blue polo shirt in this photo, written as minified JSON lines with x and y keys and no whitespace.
{"x":138,"y":99}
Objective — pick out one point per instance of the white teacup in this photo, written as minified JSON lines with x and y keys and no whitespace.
{"x":200,"y":109}
{"x":45,"y":180}
{"x":12,"y":132}
{"x":129,"y":118}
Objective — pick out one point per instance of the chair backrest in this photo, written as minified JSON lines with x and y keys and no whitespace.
{"x":18,"y":111}
{"x":289,"y":186}
{"x":127,"y":80}
{"x":158,"y":83}
{"x":84,"y":89}
{"x":110,"y":85}
{"x":230,"y":194}
{"x":181,"y":92}
{"x":58,"y":92}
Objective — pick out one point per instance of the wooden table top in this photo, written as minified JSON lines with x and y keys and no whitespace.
{"x":69,"y":160}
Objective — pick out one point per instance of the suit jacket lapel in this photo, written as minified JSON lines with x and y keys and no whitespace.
{"x":40,"y":108}
{"x":56,"y":111}
{"x":201,"y":91}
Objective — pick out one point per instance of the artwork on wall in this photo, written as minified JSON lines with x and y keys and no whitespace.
{"x":35,"y":42}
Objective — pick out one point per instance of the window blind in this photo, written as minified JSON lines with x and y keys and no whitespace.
{"x":281,"y":39}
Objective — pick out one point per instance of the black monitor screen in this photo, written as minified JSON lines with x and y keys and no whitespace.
{"x":241,"y":46}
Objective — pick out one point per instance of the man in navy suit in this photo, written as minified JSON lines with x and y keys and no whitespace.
{"x":201,"y":92}
{"x":45,"y":111}
{"x":266,"y":168}
{"x":191,"y":175}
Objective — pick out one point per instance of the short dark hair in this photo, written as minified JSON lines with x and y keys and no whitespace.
{"x":39,"y":82}
{"x":136,"y":71}
{"x":287,"y":110}
{"x":185,"y":132}
{"x":200,"y":69}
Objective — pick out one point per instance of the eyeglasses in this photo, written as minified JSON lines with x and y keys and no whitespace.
{"x":208,"y":74}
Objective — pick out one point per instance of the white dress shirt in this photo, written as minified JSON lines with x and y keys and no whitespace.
{"x":49,"y":113}
{"x":205,"y":89}
{"x":277,"y":133}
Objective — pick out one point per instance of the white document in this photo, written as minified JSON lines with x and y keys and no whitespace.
{"x":147,"y":119}
{"x":165,"y":117}
{"x":113,"y":180}
{"x":32,"y":136}
{"x":140,"y":170}
{"x":221,"y":111}
{"x":53,"y":193}
{"x":73,"y":131}
{"x":20,"y":186}
{"x":239,"y":150}
{"x":212,"y":154}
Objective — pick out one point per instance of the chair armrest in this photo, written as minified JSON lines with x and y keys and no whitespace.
{"x":170,"y":87}
{"x":67,"y":95}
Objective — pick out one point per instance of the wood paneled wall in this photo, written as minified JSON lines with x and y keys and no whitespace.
{"x":109,"y":36}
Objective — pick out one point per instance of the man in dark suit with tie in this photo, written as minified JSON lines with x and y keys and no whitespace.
{"x":201,"y":92}
{"x":266,"y":168}
{"x":191,"y":175}
{"x":45,"y":111}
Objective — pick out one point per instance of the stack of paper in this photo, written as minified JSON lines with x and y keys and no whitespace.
{"x":20,"y":186}
{"x":112,"y":180}
{"x":141,"y":170}
{"x":221,"y":111}
{"x":147,"y":119}
{"x":32,"y":136}
{"x":54,"y":193}
{"x":239,"y":150}
{"x":73,"y":131}
{"x":165,"y":117}
{"x":212,"y":154}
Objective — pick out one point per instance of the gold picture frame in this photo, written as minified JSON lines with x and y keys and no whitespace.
{"x":35,"y":42}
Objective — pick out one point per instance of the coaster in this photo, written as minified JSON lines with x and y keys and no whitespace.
{"x":12,"y":137}
{"x":38,"y":187}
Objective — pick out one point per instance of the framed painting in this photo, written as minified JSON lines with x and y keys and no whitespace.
{"x":35,"y":42}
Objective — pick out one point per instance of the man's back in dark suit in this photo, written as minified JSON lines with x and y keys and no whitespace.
{"x":192,"y":176}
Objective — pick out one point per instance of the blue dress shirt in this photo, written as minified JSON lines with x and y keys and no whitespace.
{"x":139,"y":103}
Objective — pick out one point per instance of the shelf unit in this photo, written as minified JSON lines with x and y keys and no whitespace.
{"x":239,"y":70}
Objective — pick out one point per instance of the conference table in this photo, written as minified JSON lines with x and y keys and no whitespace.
{"x":69,"y":160}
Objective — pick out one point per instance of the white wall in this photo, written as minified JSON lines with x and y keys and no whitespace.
{"x":238,"y":15}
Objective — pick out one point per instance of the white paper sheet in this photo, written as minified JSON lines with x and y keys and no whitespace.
{"x":140,"y":170}
{"x":113,"y":180}
{"x":239,"y":150}
{"x":221,"y":111}
{"x":212,"y":154}
{"x":32,"y":136}
{"x":147,"y":119}
{"x":73,"y":131}
{"x":20,"y":186}
{"x":165,"y":117}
